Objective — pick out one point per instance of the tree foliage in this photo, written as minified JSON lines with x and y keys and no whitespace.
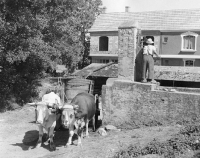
{"x":38,"y":34}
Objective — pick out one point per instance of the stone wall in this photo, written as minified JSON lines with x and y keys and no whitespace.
{"x":177,"y":73}
{"x":128,"y":32}
{"x":137,"y":104}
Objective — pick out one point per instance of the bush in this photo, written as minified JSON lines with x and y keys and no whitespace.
{"x":19,"y":82}
{"x":186,"y":139}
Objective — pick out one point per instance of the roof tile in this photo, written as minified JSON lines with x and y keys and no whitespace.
{"x":185,"y":19}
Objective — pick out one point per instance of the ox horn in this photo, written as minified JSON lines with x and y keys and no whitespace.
{"x":67,"y":106}
{"x":32,"y":104}
{"x":76,"y":107}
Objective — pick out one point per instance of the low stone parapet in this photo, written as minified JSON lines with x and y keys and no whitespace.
{"x":177,"y":73}
{"x":137,"y":104}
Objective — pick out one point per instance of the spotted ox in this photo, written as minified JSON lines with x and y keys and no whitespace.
{"x":78,"y":113}
{"x":46,"y":119}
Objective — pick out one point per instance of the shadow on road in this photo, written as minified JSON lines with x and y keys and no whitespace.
{"x":30,"y":139}
{"x":33,"y":122}
{"x":61,"y":137}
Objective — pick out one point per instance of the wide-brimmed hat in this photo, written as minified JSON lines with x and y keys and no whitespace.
{"x":149,"y":41}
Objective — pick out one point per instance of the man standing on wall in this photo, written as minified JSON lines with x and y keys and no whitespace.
{"x":148,"y":62}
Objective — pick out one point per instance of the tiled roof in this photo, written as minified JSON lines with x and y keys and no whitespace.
{"x":98,"y":70}
{"x":173,"y":73}
{"x":86,"y":71}
{"x":182,"y":19}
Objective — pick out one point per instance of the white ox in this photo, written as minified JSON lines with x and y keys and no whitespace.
{"x":78,"y":113}
{"x":46,"y":119}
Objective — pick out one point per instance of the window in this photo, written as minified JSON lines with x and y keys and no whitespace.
{"x":95,"y":61}
{"x":103,"y":43}
{"x":165,"y":39}
{"x":103,"y":60}
{"x":189,"y":41}
{"x":188,"y":62}
{"x":115,"y":61}
{"x":166,"y":62}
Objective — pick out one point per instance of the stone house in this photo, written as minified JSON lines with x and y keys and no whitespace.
{"x":175,"y":34}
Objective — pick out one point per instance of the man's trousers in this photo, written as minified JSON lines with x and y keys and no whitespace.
{"x":148,"y":64}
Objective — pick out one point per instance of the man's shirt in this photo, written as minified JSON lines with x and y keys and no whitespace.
{"x":149,"y":50}
{"x":51,"y":98}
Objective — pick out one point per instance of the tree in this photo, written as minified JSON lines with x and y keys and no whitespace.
{"x":35,"y":36}
{"x":68,"y":25}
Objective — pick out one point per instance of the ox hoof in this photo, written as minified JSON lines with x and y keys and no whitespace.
{"x":66,"y":146}
{"x":80,"y":144}
{"x":52,"y":146}
{"x":38,"y":145}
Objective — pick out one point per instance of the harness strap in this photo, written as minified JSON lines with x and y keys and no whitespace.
{"x":59,"y":81}
{"x":60,"y":88}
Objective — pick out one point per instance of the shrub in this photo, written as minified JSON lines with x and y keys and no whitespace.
{"x":186,"y":139}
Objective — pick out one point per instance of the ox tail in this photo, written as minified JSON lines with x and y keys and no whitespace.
{"x":94,"y":122}
{"x":95,"y":96}
{"x":95,"y":118}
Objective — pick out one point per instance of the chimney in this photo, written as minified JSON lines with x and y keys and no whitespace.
{"x":104,"y":10}
{"x":127,"y":8}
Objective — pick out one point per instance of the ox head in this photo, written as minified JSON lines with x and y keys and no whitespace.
{"x":68,"y":115}
{"x":42,"y":113}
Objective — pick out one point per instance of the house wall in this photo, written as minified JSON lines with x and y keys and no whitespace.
{"x":173,"y":45}
{"x":112,"y":45}
{"x":172,"y":62}
{"x":177,"y":62}
{"x":197,"y":62}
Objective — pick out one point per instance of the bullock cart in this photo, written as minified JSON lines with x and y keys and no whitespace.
{"x":69,"y":87}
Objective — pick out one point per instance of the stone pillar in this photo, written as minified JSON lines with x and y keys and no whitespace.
{"x":127,"y":35}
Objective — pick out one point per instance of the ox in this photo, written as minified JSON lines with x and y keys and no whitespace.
{"x":81,"y":110}
{"x":46,"y":119}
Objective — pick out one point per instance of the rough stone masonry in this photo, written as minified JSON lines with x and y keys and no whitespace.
{"x":127,"y":50}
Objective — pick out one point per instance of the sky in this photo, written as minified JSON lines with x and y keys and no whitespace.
{"x":148,"y":5}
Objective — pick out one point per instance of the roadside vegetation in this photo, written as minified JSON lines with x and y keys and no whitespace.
{"x":181,"y":145}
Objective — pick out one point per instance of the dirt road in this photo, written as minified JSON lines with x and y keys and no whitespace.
{"x":19,"y":134}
